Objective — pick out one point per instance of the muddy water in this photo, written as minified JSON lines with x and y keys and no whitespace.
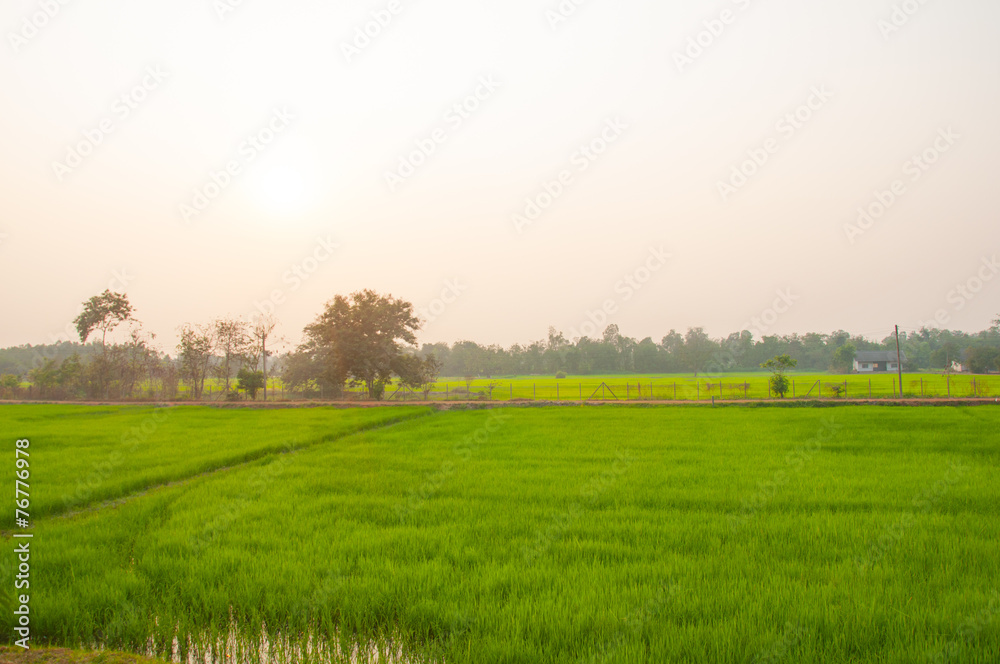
{"x":236,"y":646}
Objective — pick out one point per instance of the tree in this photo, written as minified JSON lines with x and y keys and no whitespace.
{"x":45,"y":377}
{"x":843,"y":358}
{"x":698,"y":349}
{"x":138,"y":360}
{"x":195,"y":356}
{"x":778,"y":365}
{"x":249,"y":381}
{"x":418,"y":373}
{"x":982,"y":359}
{"x":261,"y":330}
{"x":103,"y":312}
{"x":360,"y":338}
{"x":10,"y":382}
{"x":232,"y":340}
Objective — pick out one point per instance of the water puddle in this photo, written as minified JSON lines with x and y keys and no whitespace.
{"x":235,"y":646}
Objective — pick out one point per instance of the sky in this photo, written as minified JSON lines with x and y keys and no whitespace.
{"x":770,"y":165}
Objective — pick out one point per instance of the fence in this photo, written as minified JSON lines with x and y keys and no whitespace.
{"x":614,"y":389}
{"x":665,"y":389}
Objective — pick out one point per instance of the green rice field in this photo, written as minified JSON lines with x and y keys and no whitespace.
{"x":687,"y":387}
{"x":633,"y":534}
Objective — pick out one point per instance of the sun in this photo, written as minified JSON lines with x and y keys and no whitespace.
{"x":282,"y":188}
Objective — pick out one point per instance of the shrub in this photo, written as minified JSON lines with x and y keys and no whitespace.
{"x":560,"y":374}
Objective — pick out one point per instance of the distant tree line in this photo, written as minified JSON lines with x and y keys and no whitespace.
{"x":695,"y":352}
{"x":368,"y":341}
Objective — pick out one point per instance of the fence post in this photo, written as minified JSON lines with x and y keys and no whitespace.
{"x":602,"y":391}
{"x":793,"y":388}
{"x":557,"y":391}
{"x":921,"y":386}
{"x":675,"y":390}
{"x":628,"y":390}
{"x":511,"y":391}
{"x":697,"y":391}
{"x":534,"y":392}
{"x":869,"y":388}
{"x":581,"y":391}
{"x":949,"y":385}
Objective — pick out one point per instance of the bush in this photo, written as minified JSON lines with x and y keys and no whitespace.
{"x":779,"y":385}
{"x":560,"y":374}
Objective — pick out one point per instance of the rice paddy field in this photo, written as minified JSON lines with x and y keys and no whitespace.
{"x":644,"y":387}
{"x":688,"y":387}
{"x":538,"y":534}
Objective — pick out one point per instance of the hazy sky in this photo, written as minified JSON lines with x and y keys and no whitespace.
{"x":504,"y":166}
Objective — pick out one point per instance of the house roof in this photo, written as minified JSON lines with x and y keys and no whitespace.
{"x":878,"y":356}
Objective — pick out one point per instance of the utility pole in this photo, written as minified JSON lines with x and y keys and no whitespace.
{"x":899,"y":364}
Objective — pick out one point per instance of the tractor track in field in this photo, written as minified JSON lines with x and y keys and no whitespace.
{"x":152,"y":488}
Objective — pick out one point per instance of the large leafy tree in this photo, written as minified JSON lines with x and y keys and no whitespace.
{"x":698,"y":349}
{"x":843,"y":358}
{"x":361,"y":338}
{"x":103,"y":312}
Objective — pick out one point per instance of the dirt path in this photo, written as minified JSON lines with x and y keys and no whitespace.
{"x":17,"y":655}
{"x":528,"y":403}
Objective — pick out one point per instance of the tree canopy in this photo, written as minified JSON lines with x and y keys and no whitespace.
{"x":103,"y":312}
{"x":360,"y":339}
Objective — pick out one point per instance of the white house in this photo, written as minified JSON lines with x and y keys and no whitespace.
{"x":876,"y":361}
